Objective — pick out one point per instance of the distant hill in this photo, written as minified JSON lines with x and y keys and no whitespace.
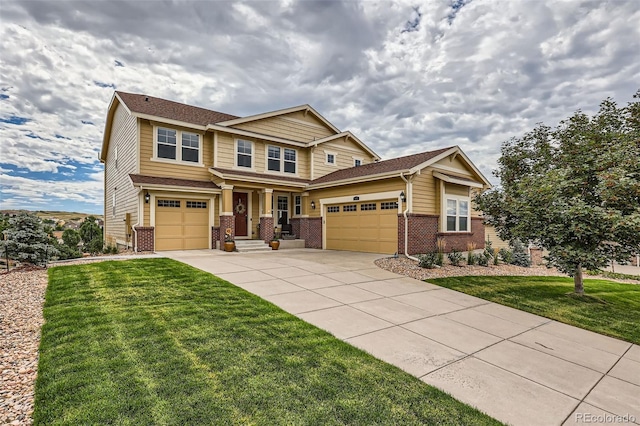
{"x":56,"y":215}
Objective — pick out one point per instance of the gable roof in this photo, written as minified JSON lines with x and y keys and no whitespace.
{"x":305,"y":107}
{"x":148,"y":105}
{"x":399,"y":164}
{"x":347,"y":135}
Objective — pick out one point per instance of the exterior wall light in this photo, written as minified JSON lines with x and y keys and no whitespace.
{"x":403,"y":197}
{"x":313,"y":205}
{"x":147,"y":197}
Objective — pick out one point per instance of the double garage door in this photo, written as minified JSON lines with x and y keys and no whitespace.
{"x":370,"y":226}
{"x":182,"y":224}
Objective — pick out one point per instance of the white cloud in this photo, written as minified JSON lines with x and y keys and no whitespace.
{"x":404,"y":77}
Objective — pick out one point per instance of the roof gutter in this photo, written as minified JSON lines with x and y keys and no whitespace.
{"x":406,"y":219}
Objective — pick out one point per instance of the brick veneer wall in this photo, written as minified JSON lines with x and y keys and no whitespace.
{"x":423,"y":235}
{"x":537,"y":256}
{"x":215,"y":236}
{"x":266,"y":229}
{"x":144,"y":236}
{"x":226,"y":222}
{"x":310,"y":230}
{"x":295,"y":226}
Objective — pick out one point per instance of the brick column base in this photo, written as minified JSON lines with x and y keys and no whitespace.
{"x":215,"y":236}
{"x":144,"y":236}
{"x":295,"y":226}
{"x":225,"y":223}
{"x":266,"y":229}
{"x":311,"y":232}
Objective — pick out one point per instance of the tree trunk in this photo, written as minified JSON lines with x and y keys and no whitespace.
{"x":577,"y":281}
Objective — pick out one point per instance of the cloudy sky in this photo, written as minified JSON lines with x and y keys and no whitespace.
{"x":403,"y":76}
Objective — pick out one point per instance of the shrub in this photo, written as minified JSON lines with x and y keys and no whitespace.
{"x":26,"y":240}
{"x":483,"y":259}
{"x":455,"y":257}
{"x":520,"y":254}
{"x":505,"y":255}
{"x":471,"y":258}
{"x":440,"y":244}
{"x":428,"y":260}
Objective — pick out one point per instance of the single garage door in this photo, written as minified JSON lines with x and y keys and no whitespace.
{"x":182,"y":224}
{"x":370,"y":226}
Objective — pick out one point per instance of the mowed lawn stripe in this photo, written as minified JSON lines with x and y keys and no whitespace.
{"x":607,"y":307}
{"x":154,"y":341}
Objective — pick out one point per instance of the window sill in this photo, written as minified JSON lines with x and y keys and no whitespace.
{"x":445,"y":233}
{"x":176,"y":162}
{"x":245,"y":169}
{"x":281,"y":174}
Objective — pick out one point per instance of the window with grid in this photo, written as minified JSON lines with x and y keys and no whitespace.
{"x":457,"y":215}
{"x":273,"y":158}
{"x":297,"y":205}
{"x":389,"y":205}
{"x":357,"y":162}
{"x":244,"y":153}
{"x":190,"y":147}
{"x":331,"y":159}
{"x":333,"y":209}
{"x":168,"y":203}
{"x":166,"y":143}
{"x":196,"y":204}
{"x":367,"y":206}
{"x":350,"y":208}
{"x":289,"y":160}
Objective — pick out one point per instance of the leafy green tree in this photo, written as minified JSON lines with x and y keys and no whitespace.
{"x":91,"y":235}
{"x":71,"y":238}
{"x":26,"y":240}
{"x":574,"y":189}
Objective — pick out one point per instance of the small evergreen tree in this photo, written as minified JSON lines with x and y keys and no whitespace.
{"x":520,"y":255}
{"x":26,"y":240}
{"x":91,"y":235}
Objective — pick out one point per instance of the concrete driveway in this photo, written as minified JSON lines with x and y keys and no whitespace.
{"x":520,"y":368}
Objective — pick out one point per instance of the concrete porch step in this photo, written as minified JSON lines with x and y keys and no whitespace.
{"x":246,"y":246}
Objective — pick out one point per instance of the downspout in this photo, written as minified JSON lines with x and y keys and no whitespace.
{"x":133,"y":228}
{"x":406,"y":220}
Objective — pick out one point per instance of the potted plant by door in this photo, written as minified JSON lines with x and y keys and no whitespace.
{"x":275,"y":243}
{"x":229,"y":242}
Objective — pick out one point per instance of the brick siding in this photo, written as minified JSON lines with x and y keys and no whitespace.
{"x":266,"y":229}
{"x":423,"y":235}
{"x":295,"y":226}
{"x":145,"y":236}
{"x":310,"y":230}
{"x":226,"y":222}
{"x":215,"y":236}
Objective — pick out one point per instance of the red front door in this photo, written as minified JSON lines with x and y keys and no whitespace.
{"x":240,"y":213}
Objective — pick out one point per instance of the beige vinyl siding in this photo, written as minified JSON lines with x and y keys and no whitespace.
{"x":255,"y":215}
{"x":226,"y":151}
{"x":490,"y":234}
{"x":455,"y":163}
{"x":295,"y":126}
{"x":124,"y":133}
{"x":146,"y":214}
{"x":345,"y":152}
{"x":426,"y":193}
{"x":385,"y":185}
{"x":150,"y":167}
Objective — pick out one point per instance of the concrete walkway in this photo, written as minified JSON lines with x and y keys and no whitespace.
{"x":520,"y":368}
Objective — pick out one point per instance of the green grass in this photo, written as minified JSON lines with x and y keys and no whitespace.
{"x":153,"y":341}
{"x":608,"y":308}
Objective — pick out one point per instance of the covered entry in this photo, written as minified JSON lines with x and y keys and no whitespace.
{"x":370,"y":226}
{"x":181,"y":224}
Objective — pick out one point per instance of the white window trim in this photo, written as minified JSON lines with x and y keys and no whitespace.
{"x":444,"y":215}
{"x":235,"y":155}
{"x":178,"y":159}
{"x":294,"y":196}
{"x":356,"y":159}
{"x":335,"y":158}
{"x":281,"y":172}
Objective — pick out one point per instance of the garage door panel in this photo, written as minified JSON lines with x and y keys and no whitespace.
{"x":182,"y":228}
{"x":374,"y":231}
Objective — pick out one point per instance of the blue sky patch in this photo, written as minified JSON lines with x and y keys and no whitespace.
{"x":118,"y":63}
{"x":14,"y":119}
{"x":3,"y":96}
{"x":104,"y":85}
{"x":87,"y":122}
{"x":61,"y":137}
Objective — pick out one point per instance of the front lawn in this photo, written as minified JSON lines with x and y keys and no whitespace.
{"x":154,"y":341}
{"x":608,"y":307}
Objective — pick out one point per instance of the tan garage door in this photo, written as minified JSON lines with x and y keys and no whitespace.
{"x":182,"y":224}
{"x":370,"y":226}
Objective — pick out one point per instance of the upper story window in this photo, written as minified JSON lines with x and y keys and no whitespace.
{"x":178,"y":145}
{"x":457,"y":214}
{"x":357,"y":162}
{"x":244,"y":153}
{"x":190,"y":147}
{"x":167,"y":140}
{"x":277,"y":162}
{"x":330,"y":158}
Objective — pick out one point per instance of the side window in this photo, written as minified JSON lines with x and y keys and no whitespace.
{"x":297,"y":205}
{"x":190,"y":147}
{"x":273,"y":158}
{"x":244,"y":153}
{"x":289,"y":160}
{"x":166,"y":140}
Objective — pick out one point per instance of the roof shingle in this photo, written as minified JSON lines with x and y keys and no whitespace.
{"x":158,"y":107}
{"x":387,"y":166}
{"x":153,"y":180}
